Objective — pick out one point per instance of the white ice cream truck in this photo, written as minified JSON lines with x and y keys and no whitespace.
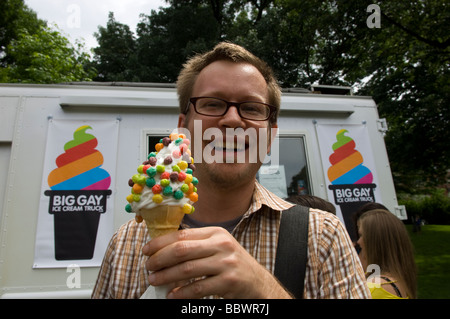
{"x":55,"y":138}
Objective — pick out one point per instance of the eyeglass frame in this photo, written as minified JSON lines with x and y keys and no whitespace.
{"x":193,"y":100}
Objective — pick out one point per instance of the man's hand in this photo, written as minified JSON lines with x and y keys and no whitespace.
{"x":212,"y":256}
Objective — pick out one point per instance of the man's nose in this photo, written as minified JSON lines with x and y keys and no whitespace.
{"x":232,"y":118}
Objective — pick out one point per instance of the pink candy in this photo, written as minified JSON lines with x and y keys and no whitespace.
{"x":176,"y":154}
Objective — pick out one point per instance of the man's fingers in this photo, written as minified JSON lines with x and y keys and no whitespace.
{"x":185,"y":271}
{"x":184,"y":234}
{"x":178,"y":252}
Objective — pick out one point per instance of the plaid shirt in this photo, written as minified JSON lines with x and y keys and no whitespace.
{"x":333,"y":269}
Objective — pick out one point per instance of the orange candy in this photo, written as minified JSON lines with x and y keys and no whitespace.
{"x":193,"y":197}
{"x":137,"y":188}
{"x":159,"y":147}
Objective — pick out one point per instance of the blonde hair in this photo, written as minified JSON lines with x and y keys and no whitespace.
{"x":229,"y":52}
{"x":388,"y":245}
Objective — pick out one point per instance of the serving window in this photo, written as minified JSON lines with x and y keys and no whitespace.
{"x":288,"y":175}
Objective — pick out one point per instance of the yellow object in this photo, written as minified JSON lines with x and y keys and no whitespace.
{"x":378,"y":292}
{"x":162,"y":220}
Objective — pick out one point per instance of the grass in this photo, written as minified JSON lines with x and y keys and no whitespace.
{"x":432,"y":255}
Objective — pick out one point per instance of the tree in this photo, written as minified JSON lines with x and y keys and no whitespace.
{"x":45,"y":57}
{"x":410,"y":81}
{"x":31,"y":52}
{"x":166,"y":38}
{"x":115,"y":58}
{"x":15,"y":16}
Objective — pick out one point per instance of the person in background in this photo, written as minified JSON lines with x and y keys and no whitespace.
{"x":313,"y":202}
{"x":417,"y":224}
{"x":361,"y":210}
{"x":386,"y":249}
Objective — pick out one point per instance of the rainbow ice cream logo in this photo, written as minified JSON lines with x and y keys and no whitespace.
{"x":78,"y":195}
{"x":350,"y":180}
{"x":347,"y":163}
{"x":79,"y":167}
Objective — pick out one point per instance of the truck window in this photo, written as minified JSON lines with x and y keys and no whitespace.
{"x":290,"y":176}
{"x":152,"y":140}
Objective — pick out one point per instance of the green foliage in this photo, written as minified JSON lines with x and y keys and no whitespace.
{"x":167,"y":37}
{"x":15,"y":16}
{"x":114,"y":58}
{"x":45,"y":57}
{"x":433,"y":208}
{"x":31,"y":52}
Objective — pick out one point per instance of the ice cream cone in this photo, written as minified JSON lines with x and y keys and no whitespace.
{"x":162,"y":220}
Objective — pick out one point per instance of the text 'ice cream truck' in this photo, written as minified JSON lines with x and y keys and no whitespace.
{"x":65,"y":151}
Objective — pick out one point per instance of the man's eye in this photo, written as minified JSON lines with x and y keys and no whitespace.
{"x":251,"y":108}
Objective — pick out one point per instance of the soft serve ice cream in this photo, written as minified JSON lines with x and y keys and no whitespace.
{"x":164,"y":189}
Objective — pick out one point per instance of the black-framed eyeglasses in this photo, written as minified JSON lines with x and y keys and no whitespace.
{"x":250,"y":110}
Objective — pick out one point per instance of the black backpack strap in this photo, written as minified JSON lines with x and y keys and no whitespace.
{"x":292,"y":249}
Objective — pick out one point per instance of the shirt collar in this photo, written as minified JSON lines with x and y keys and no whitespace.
{"x":262,"y":196}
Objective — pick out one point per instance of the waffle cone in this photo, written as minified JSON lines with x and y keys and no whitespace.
{"x":162,"y":220}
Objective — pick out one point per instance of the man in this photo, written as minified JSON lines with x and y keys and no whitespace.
{"x":202,"y":260}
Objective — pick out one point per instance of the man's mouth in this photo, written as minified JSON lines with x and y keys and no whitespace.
{"x":230,"y":146}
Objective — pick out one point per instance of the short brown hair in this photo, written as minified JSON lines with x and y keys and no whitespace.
{"x":229,"y":52}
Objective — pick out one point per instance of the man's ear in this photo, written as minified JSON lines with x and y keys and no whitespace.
{"x":181,"y":120}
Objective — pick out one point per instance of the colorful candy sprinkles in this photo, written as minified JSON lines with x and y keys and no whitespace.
{"x":168,"y":173}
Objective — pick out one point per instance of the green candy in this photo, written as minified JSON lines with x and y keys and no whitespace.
{"x":135,"y":178}
{"x":160,"y":168}
{"x":128,"y":208}
{"x":184,"y":188}
{"x":167,"y":191}
{"x":150,"y":182}
{"x":178,"y":141}
{"x":151,"y":171}
{"x":178,"y":194}
{"x":141,"y":180}
{"x":165,"y":183}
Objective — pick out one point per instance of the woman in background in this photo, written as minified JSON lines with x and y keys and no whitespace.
{"x":385,"y":243}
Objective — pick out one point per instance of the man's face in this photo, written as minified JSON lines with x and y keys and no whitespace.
{"x":234,"y":82}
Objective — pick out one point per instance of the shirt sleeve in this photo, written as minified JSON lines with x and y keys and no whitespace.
{"x":101,"y":289}
{"x":334,"y":268}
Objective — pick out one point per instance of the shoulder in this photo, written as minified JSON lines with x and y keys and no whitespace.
{"x":388,"y":283}
{"x":325,"y":224}
{"x":327,"y":235}
{"x":334,"y":267}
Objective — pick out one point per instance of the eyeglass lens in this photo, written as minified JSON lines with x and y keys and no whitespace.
{"x":218,"y":107}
